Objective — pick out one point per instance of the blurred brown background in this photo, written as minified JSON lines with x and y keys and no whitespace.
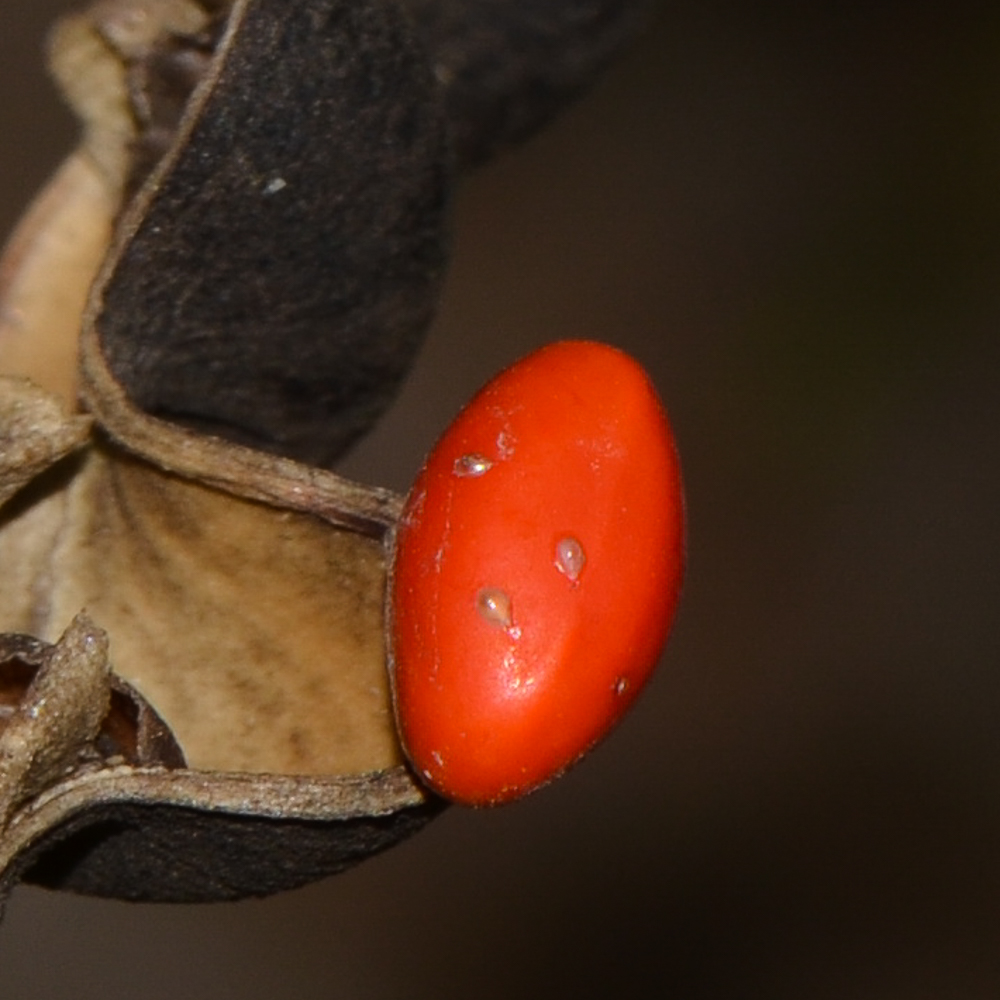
{"x":791,"y":214}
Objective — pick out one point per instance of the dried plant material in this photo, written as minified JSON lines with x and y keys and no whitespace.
{"x":97,"y":798}
{"x":92,"y":77}
{"x":59,"y":716}
{"x":128,"y":68}
{"x":184,"y":836}
{"x":242,"y":591}
{"x":35,"y":433}
{"x":261,"y":191}
{"x":256,"y":631}
{"x":66,"y":233}
{"x":293,"y":237}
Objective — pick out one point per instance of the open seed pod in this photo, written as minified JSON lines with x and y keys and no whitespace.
{"x":261,"y":191}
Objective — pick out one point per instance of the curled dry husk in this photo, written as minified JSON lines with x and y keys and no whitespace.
{"x":193,"y":700}
{"x":241,"y":590}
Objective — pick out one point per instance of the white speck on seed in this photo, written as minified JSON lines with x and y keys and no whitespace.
{"x":505,"y":444}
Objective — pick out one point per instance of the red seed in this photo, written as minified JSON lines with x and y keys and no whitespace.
{"x":537,"y":568}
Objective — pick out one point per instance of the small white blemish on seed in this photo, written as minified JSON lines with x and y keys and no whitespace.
{"x":516,"y":674}
{"x":472,"y":465}
{"x":570,"y":558}
{"x":505,"y":444}
{"x":275,"y":184}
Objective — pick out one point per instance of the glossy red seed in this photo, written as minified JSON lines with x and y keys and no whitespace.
{"x":537,"y":567}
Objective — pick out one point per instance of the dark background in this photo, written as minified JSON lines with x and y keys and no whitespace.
{"x":791,"y":214}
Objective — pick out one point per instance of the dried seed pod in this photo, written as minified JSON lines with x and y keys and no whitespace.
{"x":34,"y":434}
{"x":272,"y":179}
{"x":273,"y":141}
{"x":292,"y":238}
{"x":242,"y":593}
{"x":64,"y":711}
{"x":504,"y":67}
{"x":120,"y":816}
